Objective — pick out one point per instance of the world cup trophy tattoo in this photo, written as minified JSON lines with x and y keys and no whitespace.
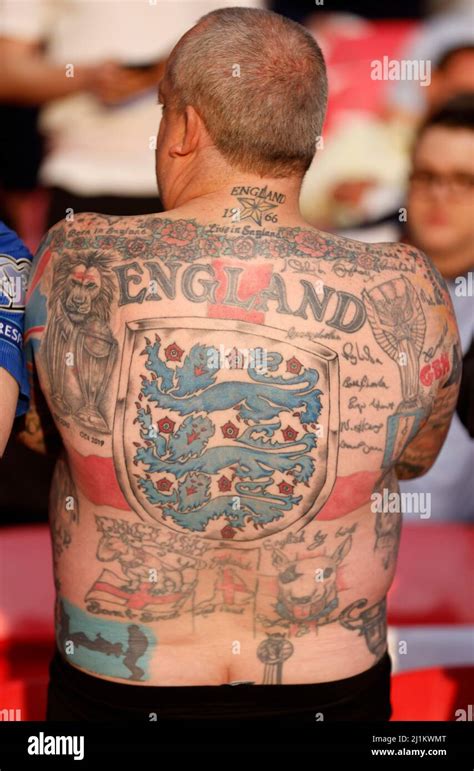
{"x":399,"y":326}
{"x":272,"y":652}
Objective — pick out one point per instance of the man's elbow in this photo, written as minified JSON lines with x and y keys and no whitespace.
{"x":417,"y":464}
{"x":412,"y":470}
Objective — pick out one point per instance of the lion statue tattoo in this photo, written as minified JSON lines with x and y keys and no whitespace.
{"x":80,"y":350}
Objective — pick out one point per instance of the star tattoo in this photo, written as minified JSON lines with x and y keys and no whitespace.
{"x":253,"y":209}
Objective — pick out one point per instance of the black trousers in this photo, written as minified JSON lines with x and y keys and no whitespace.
{"x":77,"y":696}
{"x":61,"y":200}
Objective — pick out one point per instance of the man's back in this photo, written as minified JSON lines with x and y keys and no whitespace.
{"x":234,"y":392}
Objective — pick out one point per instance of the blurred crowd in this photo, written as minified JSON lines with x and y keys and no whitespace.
{"x":395,"y":162}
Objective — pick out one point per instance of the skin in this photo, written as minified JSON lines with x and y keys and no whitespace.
{"x":28,"y":77}
{"x":441,"y":224}
{"x":286,"y":581}
{"x":9,"y":391}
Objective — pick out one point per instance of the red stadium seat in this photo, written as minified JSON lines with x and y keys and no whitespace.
{"x":26,"y":617}
{"x":435,"y":575}
{"x":433,"y":694}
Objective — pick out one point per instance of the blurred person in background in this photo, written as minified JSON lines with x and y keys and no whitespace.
{"x":438,"y":218}
{"x":441,"y":190}
{"x":438,"y":40}
{"x":94,"y":67}
{"x":15,"y":263}
{"x":441,"y":223}
{"x":453,"y":75}
{"x":360,"y":176}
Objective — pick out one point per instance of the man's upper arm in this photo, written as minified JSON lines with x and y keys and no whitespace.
{"x":8,"y":401}
{"x":420,"y":454}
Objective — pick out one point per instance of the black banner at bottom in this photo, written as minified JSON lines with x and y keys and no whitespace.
{"x":94,"y":745}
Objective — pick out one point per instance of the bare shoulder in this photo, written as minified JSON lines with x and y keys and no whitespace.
{"x":93,"y":223}
{"x":373,"y":258}
{"x":81,"y":234}
{"x":387,"y":262}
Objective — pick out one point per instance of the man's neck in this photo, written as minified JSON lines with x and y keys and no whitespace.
{"x":253,"y":200}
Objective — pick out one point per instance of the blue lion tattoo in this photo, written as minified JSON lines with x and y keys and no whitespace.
{"x":191,"y":390}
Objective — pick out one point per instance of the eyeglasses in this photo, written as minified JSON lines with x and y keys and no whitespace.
{"x":456,"y":185}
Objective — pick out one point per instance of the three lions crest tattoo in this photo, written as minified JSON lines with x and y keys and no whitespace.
{"x":235,"y":446}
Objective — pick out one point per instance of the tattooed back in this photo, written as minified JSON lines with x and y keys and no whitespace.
{"x":236,"y":398}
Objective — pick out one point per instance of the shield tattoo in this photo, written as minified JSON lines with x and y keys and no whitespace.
{"x":221,"y":441}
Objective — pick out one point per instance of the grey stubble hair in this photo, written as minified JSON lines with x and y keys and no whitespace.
{"x":268,"y":119}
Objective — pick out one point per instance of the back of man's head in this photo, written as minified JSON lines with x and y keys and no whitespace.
{"x":258,"y":81}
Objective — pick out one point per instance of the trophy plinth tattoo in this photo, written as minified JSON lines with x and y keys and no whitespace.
{"x":60,"y":336}
{"x":273,"y":652}
{"x":398,"y":323}
{"x":79,"y":348}
{"x":96,"y":352}
{"x":399,"y":326}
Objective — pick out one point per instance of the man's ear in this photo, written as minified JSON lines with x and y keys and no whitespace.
{"x":193,"y":129}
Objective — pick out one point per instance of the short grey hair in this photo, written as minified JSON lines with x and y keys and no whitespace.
{"x":259,"y":83}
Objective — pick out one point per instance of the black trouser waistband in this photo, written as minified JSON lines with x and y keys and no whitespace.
{"x":79,"y":695}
